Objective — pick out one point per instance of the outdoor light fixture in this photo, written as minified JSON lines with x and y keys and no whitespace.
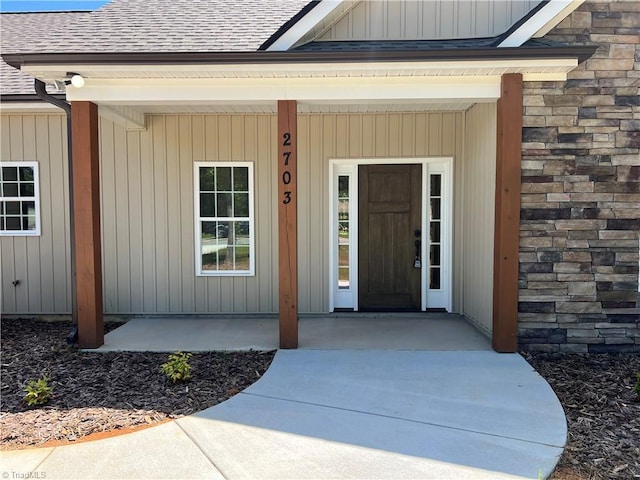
{"x":72,"y":78}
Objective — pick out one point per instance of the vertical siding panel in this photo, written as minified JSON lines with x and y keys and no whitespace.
{"x":394,"y":135}
{"x":160,"y":214}
{"x":186,"y":148}
{"x":341,"y":139}
{"x":122,"y":218}
{"x":407,"y":134}
{"x":458,"y":192}
{"x":32,"y":244}
{"x":317,"y":228}
{"x":19,"y":243}
{"x":272,"y":135}
{"x":435,"y":134}
{"x":304,"y":214}
{"x":174,"y":244}
{"x":381,"y":139}
{"x":43,"y":155}
{"x":448,"y":134}
{"x":134,"y":197}
{"x":355,"y":136}
{"x":264,"y":219}
{"x":412,"y":11}
{"x":148,"y":215}
{"x":368,"y":135}
{"x":250,"y":126}
{"x":422,"y":131}
{"x":108,"y":215}
{"x":199,"y":155}
{"x":59,"y":177}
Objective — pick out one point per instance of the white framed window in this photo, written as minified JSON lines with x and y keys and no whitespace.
{"x":19,"y":199}
{"x":225,"y":229}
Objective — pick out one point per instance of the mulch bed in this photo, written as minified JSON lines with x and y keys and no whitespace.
{"x":603,"y":413}
{"x":103,"y":392}
{"x":107,"y":392}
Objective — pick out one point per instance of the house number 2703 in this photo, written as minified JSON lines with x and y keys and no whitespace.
{"x":286,"y":175}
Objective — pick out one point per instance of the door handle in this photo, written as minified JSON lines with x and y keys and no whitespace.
{"x":417,"y":263}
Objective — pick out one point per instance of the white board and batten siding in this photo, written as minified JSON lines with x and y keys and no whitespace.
{"x":426,"y":19}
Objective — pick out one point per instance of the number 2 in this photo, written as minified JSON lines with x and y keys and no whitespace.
{"x":287,"y":139}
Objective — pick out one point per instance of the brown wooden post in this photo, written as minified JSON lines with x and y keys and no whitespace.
{"x":507,"y":214}
{"x":86,"y":211}
{"x":288,"y":222}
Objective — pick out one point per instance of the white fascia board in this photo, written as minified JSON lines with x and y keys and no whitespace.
{"x":292,"y":70}
{"x":267,"y":90}
{"x":304,"y":25}
{"x":550,"y":12}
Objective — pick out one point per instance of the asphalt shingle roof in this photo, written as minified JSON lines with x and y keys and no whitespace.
{"x":124,"y":26}
{"x":18,"y":31}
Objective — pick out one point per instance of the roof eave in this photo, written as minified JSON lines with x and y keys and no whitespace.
{"x":18,"y":60}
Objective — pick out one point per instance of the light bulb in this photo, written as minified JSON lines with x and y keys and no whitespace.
{"x":77,"y":81}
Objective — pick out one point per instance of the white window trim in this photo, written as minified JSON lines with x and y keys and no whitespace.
{"x":36,"y":198}
{"x":198,"y":219}
{"x":341,"y":299}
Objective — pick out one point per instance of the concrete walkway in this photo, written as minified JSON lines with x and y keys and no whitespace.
{"x":320,"y":414}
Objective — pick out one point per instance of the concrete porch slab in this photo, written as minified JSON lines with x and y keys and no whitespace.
{"x":431,"y":331}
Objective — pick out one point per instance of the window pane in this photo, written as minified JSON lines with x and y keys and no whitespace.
{"x":223,"y":179}
{"x":343,"y":233}
{"x":436,"y":183}
{"x":28,"y":223}
{"x":2,"y":223}
{"x":222,"y":232}
{"x":26,"y":174}
{"x":207,"y":205}
{"x":343,"y":186}
{"x":13,"y":223}
{"x":240,"y":204}
{"x":343,"y":209}
{"x":343,"y":278}
{"x":28,"y":208}
{"x":225,"y":258}
{"x":434,"y":281}
{"x":434,"y":230}
{"x":12,"y":208}
{"x":242,"y":257}
{"x":10,"y":190}
{"x":434,"y":255}
{"x":343,"y":255}
{"x":435,"y":208}
{"x":9,"y":173}
{"x":207,"y":179}
{"x":224,"y":205}
{"x":241,"y":179}
{"x":26,"y":190}
{"x":242,"y":233}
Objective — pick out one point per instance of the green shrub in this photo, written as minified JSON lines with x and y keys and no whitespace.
{"x":177,"y":368}
{"x":38,"y":392}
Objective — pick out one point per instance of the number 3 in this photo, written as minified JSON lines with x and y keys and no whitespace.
{"x":287,"y":197}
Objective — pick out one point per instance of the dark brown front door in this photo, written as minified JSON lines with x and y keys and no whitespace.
{"x":389,"y":207}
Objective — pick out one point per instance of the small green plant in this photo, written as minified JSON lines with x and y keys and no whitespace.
{"x":177,"y":368}
{"x":38,"y":392}
{"x":637,"y":387}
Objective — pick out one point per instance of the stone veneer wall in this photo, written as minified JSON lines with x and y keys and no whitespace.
{"x":580,"y":214}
